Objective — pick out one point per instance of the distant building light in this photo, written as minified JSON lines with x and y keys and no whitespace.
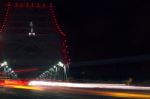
{"x":33,"y":34}
{"x":30,"y":34}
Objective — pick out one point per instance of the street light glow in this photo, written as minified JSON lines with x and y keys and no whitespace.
{"x":4,"y":64}
{"x":60,"y":64}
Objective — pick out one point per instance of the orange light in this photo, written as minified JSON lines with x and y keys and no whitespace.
{"x":126,"y":95}
{"x":14,"y":82}
{"x":28,"y":87}
{"x":24,"y":87}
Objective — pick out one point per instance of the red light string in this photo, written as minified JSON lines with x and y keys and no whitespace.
{"x":30,"y":5}
{"x":3,"y":27}
{"x":59,"y":30}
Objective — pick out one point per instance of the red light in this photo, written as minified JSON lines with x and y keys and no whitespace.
{"x":24,"y":70}
{"x":43,"y":5}
{"x":27,"y":4}
{"x":38,"y":5}
{"x":21,"y":5}
{"x":16,"y":4}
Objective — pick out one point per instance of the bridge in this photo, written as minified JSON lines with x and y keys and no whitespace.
{"x":34,"y":59}
{"x":32,"y":39}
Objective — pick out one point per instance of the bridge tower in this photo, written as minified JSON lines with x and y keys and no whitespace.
{"x":32,"y":35}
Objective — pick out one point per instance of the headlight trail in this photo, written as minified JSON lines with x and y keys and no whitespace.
{"x":79,"y":88}
{"x":86,"y":89}
{"x":75,"y":85}
{"x":87,"y":85}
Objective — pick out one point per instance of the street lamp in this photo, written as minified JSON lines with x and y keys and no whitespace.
{"x":4,"y":64}
{"x":60,"y":64}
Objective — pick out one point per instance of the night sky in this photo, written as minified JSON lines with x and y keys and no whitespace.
{"x":106,"y":29}
{"x":103,"y":29}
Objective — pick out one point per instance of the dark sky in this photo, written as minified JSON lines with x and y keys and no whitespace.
{"x":101,"y":29}
{"x":107,"y":29}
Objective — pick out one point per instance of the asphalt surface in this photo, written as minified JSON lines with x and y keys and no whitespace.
{"x":70,"y":93}
{"x":7,"y":93}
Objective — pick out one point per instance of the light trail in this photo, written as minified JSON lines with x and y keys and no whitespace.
{"x":24,"y":70}
{"x":24,"y":87}
{"x":75,"y":85}
{"x":79,"y":88}
{"x":88,"y":88}
{"x":87,"y":85}
{"x":28,"y":87}
{"x":27,"y":70}
{"x":116,"y":94}
{"x":125,"y":95}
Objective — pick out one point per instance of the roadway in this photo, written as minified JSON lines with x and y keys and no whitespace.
{"x":51,"y":94}
{"x":57,"y":92}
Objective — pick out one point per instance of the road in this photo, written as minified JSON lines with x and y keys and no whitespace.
{"x":71,"y":93}
{"x":26,"y":94}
